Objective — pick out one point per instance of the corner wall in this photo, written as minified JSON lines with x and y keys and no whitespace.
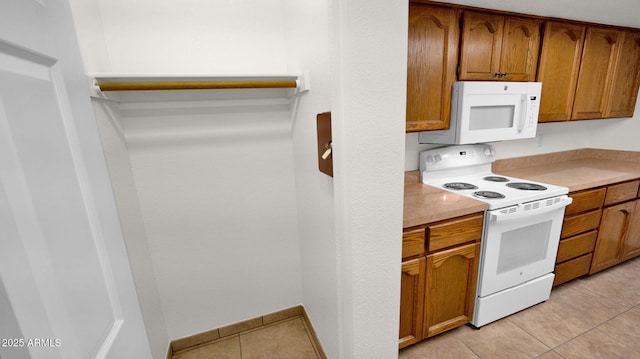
{"x":214,"y":174}
{"x":213,"y":171}
{"x":308,"y":52}
{"x":369,"y":40}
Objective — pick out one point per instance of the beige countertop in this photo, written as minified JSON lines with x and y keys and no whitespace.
{"x":425,"y":204}
{"x":576,"y":169}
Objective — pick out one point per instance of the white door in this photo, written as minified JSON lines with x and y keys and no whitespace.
{"x":66,"y":289}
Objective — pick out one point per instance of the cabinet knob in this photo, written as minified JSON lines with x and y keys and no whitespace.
{"x":500,"y":74}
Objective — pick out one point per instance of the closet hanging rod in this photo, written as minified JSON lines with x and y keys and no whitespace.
{"x":192,"y":85}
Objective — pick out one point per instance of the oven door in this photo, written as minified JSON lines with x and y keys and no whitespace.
{"x":520,"y":243}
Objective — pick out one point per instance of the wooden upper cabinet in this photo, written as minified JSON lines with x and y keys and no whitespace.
{"x":599,"y":55}
{"x":431,"y":66}
{"x":626,"y":78}
{"x":497,"y":47}
{"x":481,"y":46}
{"x":558,"y":69}
{"x":521,"y":46}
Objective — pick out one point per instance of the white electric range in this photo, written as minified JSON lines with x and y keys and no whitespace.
{"x":521,"y":228}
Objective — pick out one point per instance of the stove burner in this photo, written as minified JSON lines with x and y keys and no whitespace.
{"x":496,"y":179}
{"x":459,"y":186}
{"x":527,"y":186}
{"x":488,"y":194}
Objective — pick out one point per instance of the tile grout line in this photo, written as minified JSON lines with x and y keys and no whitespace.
{"x":584,"y":286}
{"x":531,"y":334}
{"x":612,"y":337}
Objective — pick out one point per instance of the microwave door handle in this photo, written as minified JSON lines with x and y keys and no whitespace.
{"x":522,"y":119}
{"x":501,"y":217}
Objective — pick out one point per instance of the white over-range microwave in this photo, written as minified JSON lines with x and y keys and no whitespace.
{"x":488,"y":111}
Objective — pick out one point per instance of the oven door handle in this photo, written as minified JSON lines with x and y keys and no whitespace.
{"x":505,"y":215}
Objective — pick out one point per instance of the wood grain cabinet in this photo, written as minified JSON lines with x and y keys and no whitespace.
{"x":626,"y":77}
{"x":498,"y":47}
{"x":451,"y":288}
{"x":558,"y":69}
{"x":601,"y":48}
{"x":631,"y":247}
{"x":412,"y":285}
{"x":618,"y":222}
{"x":438,"y":282}
{"x":601,"y":229}
{"x":579,"y":233}
{"x":588,"y":72}
{"x":431,"y":66}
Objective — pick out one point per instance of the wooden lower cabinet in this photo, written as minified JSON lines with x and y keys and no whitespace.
{"x":412,"y":285}
{"x":614,"y":229}
{"x":451,"y":288}
{"x":578,"y":236}
{"x":572,"y":269}
{"x":601,"y":229}
{"x":438,"y":284}
{"x":631,"y":248}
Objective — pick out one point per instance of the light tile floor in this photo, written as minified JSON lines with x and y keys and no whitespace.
{"x":591,"y":317}
{"x":287,"y":339}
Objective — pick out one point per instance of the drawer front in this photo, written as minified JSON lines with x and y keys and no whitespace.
{"x":580,"y":223}
{"x":413,"y":242}
{"x":572,"y":269}
{"x":576,"y":246}
{"x":585,"y":201}
{"x":450,"y":233}
{"x":621,"y":192}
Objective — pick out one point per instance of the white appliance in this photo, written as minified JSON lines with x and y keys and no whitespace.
{"x":521,"y":228}
{"x":488,"y":111}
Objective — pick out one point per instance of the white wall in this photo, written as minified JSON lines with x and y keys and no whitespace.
{"x":215,"y":184}
{"x":553,"y":137}
{"x":369,"y":72}
{"x":213,"y":170}
{"x":598,"y":11}
{"x":185,"y":37}
{"x":308,"y":51}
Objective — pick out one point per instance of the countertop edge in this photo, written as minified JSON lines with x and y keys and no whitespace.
{"x":578,"y":170}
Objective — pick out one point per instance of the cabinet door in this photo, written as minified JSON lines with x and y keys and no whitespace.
{"x":431,"y":66}
{"x":520,"y":47}
{"x":596,"y":73}
{"x":411,"y":301}
{"x":632,"y":242}
{"x":558,"y":69}
{"x":613,"y":231}
{"x":481,"y":45}
{"x":626,"y":80}
{"x":496,"y":47}
{"x":451,"y":288}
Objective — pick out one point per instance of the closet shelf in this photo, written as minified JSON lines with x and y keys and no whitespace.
{"x":151,"y":83}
